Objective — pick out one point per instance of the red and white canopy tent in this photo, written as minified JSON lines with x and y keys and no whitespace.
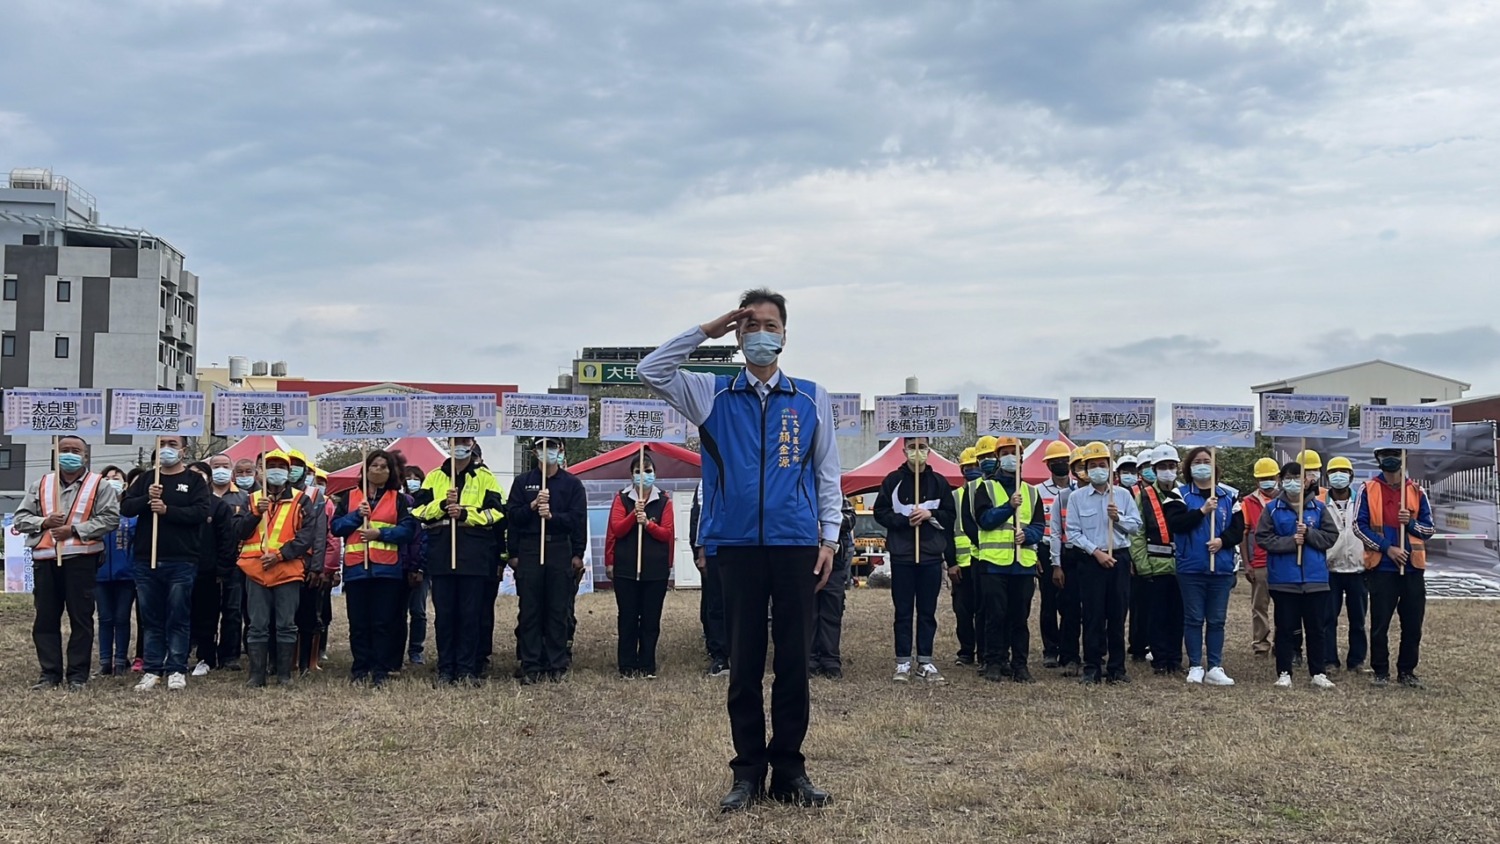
{"x":418,"y":451}
{"x":868,"y":476}
{"x":671,"y":461}
{"x":250,"y":448}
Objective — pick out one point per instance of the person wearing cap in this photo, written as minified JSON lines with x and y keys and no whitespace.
{"x":1346,"y":570}
{"x":1297,"y":532}
{"x":1267,"y":487}
{"x":1395,"y":522}
{"x":1006,"y":563}
{"x":461,"y":559}
{"x":965,"y":597}
{"x":1206,"y":529}
{"x":771,"y":509}
{"x":545,"y":575}
{"x":1101,"y":519}
{"x":1157,"y":616}
{"x":1064,"y":573}
{"x":65,"y":516}
{"x":1127,"y":475}
{"x":916,"y":509}
{"x":1056,"y":457}
{"x":277,"y":534}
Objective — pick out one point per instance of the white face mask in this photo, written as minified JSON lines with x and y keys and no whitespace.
{"x":1166,"y":476}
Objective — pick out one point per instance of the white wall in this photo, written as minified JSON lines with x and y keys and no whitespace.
{"x":1393,"y":383}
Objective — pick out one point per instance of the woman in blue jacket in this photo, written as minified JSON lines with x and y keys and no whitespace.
{"x":114,"y":588}
{"x":1206,"y":527}
{"x":375,"y":522}
{"x":1298,"y":583}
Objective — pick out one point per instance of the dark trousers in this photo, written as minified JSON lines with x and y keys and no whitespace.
{"x":1007,"y":615}
{"x":829,"y":623}
{"x":1051,"y":624}
{"x":458,"y":622}
{"x":164,"y":603}
{"x":711,"y":612}
{"x":231,"y":616}
{"x":1404,"y":596}
{"x":1303,"y":612}
{"x":782,"y":577}
{"x":416,"y":610}
{"x":309,"y":619}
{"x":487,"y":648}
{"x":376,"y":629}
{"x":1347,"y":590}
{"x":1070,"y":611}
{"x":271,"y":606}
{"x":1105,"y":593}
{"x":205,"y":621}
{"x":968,"y":608}
{"x":56,"y":588}
{"x":914,"y":589}
{"x":639,"y":623}
{"x":114,"y":600}
{"x":1138,"y":629}
{"x":1158,"y":603}
{"x":546,"y":594}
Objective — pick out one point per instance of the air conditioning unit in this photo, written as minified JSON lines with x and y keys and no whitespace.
{"x":172,"y":324}
{"x":181,"y":382}
{"x":182,"y":331}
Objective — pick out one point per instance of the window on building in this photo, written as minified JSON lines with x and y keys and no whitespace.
{"x":1377,"y":401}
{"x":64,"y":290}
{"x":4,"y":458}
{"x":8,"y":345}
{"x":10,"y":289}
{"x":60,"y":347}
{"x":164,"y":300}
{"x":192,"y":315}
{"x":31,"y":240}
{"x":187,"y":364}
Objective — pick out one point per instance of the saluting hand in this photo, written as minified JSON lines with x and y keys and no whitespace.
{"x":723,"y":325}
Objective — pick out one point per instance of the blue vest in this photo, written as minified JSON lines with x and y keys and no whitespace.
{"x":1192,"y":548}
{"x":1283,"y":568}
{"x":759,"y":485}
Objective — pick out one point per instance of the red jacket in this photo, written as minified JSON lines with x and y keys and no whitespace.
{"x":1253,"y":505}
{"x":622,"y":519}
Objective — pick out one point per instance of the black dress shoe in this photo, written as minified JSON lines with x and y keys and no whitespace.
{"x":833,"y":673}
{"x":45,"y":683}
{"x":800,"y":792}
{"x":1022,"y":675}
{"x":1049,"y":661}
{"x":1117,"y":677}
{"x":740,"y":797}
{"x":1089,"y":678}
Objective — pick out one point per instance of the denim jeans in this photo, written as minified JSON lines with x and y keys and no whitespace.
{"x":164,"y":598}
{"x":416,"y":608}
{"x":114,"y":600}
{"x":1205,"y":599}
{"x":915,"y":588}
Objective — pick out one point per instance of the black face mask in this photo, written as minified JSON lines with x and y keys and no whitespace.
{"x":1058,"y":468}
{"x":1390,"y":464}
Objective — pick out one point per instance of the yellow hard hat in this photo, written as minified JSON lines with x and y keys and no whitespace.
{"x":986,"y":445}
{"x":320,"y":474}
{"x":967,"y":458}
{"x":1340,"y":463}
{"x":1076,"y":456}
{"x":277,"y":454}
{"x":1309,"y":459}
{"x":297,"y":457}
{"x":1056,"y":449}
{"x":1266,"y":468}
{"x":1095,"y":451}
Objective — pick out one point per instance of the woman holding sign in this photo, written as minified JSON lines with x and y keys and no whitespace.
{"x":638,"y":550}
{"x":1207,"y":526}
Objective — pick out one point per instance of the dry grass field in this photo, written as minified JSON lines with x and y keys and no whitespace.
{"x":601,"y":759}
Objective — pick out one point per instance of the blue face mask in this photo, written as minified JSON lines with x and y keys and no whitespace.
{"x":552,"y":457}
{"x":762,"y":347}
{"x":296,"y":473}
{"x":277,"y":477}
{"x":245,"y":481}
{"x":169,"y":456}
{"x":462,"y":452}
{"x":972,"y":474}
{"x":222,"y":476}
{"x":1291,"y":488}
{"x":646,"y":479}
{"x":1148,"y":474}
{"x":413,"y":485}
{"x":1009,"y":462}
{"x":69,"y":462}
{"x":1128,"y":479}
{"x":1202,"y":471}
{"x":988,"y":466}
{"x":1098,"y":477}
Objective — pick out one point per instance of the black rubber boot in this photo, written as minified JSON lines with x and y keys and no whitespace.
{"x":258,"y":655}
{"x":286,"y":657}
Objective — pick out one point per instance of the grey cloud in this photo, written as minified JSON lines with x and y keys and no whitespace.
{"x":1453,"y":352}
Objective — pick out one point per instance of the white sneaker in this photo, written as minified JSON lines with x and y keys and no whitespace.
{"x":903,"y":672}
{"x":177,"y":682}
{"x":201,"y":669}
{"x":148,"y":682}
{"x":1285,"y":681}
{"x":1195,"y":675}
{"x":1321,"y":681}
{"x":931,"y":674}
{"x":1217,"y":677}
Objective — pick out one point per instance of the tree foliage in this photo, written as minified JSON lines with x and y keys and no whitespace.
{"x":345,"y":453}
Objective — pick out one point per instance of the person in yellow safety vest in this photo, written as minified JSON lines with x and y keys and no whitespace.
{"x":460,"y":573}
{"x":967,"y":605}
{"x":1006,"y":564}
{"x":375,"y":522}
{"x":277,"y":536}
{"x":1070,"y":601}
{"x":963,"y":608}
{"x":1056,"y":457}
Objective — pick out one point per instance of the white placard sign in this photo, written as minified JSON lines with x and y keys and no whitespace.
{"x":1216,"y":425}
{"x":544,"y":415}
{"x":1421,"y":427}
{"x":363,"y":417}
{"x":51,"y":412}
{"x":848,"y":420}
{"x":915,"y":415}
{"x":640,"y":421}
{"x":453,"y":415}
{"x":1111,"y":420}
{"x":1295,"y":416}
{"x":1016,"y":416}
{"x":157,"y":413}
{"x":261,"y":414}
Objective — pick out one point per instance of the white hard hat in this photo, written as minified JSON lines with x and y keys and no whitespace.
{"x":1163,"y":453}
{"x":1125,"y":460}
{"x":1144,"y":458}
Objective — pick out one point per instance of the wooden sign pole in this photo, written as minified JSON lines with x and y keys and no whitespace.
{"x":156,"y":517}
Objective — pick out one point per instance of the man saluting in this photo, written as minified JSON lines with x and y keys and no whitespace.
{"x":771,"y":507}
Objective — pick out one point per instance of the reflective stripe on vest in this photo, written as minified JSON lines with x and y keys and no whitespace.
{"x":1167,"y":550}
{"x":961,"y":541}
{"x":1375,"y":495}
{"x":382,"y":515}
{"x":83,"y":507}
{"x":997,"y":547}
{"x":285,"y":517}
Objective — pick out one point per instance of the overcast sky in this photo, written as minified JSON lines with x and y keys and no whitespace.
{"x":1065,"y":198}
